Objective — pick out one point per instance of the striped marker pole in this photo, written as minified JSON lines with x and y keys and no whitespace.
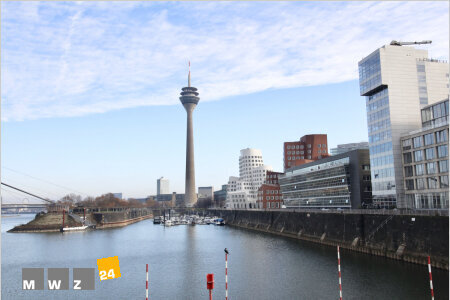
{"x":226,"y":276}
{"x":339,"y":269}
{"x":146,"y":283}
{"x":431,"y":279}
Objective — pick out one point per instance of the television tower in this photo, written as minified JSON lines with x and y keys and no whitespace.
{"x":189,"y":98}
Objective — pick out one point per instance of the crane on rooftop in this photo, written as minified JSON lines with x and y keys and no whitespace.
{"x":396,"y":43}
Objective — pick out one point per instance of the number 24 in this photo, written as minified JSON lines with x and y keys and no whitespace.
{"x":110,"y":274}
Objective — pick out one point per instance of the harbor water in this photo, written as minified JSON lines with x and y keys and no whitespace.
{"x":260,"y":266}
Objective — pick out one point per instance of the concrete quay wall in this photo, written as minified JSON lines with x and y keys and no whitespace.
{"x":403,"y":237}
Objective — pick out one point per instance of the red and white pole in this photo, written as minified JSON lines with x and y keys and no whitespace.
{"x":431,"y":279}
{"x":339,"y":269}
{"x":146,"y":283}
{"x":226,"y":276}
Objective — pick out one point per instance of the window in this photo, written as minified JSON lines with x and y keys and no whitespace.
{"x":324,"y":145}
{"x":318,"y":151}
{"x":442,"y":151}
{"x":417,"y":141}
{"x":431,"y":168}
{"x":420,"y":68}
{"x":309,"y":146}
{"x":318,"y":146}
{"x":408,"y":171}
{"x":420,"y":183}
{"x":429,"y":153}
{"x":366,"y":167}
{"x":301,"y":146}
{"x":418,"y":156}
{"x":296,"y":147}
{"x":420,"y":170}
{"x":423,"y":89}
{"x":444,"y":182}
{"x":429,"y":139}
{"x":407,"y":158}
{"x":406,"y":144}
{"x":409,"y":184}
{"x":443,"y":166}
{"x":289,"y":147}
{"x":309,"y":151}
{"x":289,"y":152}
{"x":432,"y":182}
{"x":302,"y":152}
{"x":441,"y":136}
{"x":309,"y":156}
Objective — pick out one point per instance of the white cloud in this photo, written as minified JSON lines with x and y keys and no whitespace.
{"x":69,"y":59}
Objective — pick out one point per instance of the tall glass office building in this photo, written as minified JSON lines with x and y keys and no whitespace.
{"x":396,"y":82}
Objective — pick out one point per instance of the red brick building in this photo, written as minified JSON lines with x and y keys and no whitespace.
{"x":269,"y":194}
{"x":310,"y":148}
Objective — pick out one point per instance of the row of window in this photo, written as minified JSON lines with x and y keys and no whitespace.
{"x":298,"y":157}
{"x":380,"y":148}
{"x":374,"y":105}
{"x":380,"y":136}
{"x":302,"y":147}
{"x":383,"y":173}
{"x":274,"y":198}
{"x":386,"y":123}
{"x":442,"y":151}
{"x":427,"y":139}
{"x":375,"y":116}
{"x":431,"y":168}
{"x":427,"y":183}
{"x":387,"y":185}
{"x":377,"y":95}
{"x":369,"y":67}
{"x":382,"y":160}
{"x":370,"y":84}
{"x":435,"y":111}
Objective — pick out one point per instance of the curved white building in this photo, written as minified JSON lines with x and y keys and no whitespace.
{"x":242,"y":191}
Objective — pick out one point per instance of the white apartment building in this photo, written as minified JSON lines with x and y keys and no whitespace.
{"x":397,"y":81}
{"x":242,"y":191}
{"x":162,"y":186}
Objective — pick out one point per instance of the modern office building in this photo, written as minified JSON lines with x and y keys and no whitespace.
{"x":242,"y":191}
{"x":206,"y":192}
{"x":396,"y":82}
{"x":349,"y":147}
{"x":220,"y":196}
{"x":339,"y":181}
{"x":425,"y":160}
{"x":189,"y":98}
{"x":309,"y":148}
{"x":162,"y":186}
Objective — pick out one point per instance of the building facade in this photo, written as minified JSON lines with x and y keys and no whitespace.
{"x":339,"y":181}
{"x":425,"y":160}
{"x":269,"y":194}
{"x":162,"y":186}
{"x":220,"y":196}
{"x":206,"y":192}
{"x":309,"y":148}
{"x":242,"y":191}
{"x":396,"y":82}
{"x":349,"y":147}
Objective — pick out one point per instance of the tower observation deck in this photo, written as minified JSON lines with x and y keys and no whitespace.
{"x":189,"y":98}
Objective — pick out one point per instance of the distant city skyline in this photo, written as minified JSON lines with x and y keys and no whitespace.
{"x":267,"y":73}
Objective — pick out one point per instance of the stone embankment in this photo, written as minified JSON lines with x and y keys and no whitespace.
{"x":96,"y":217}
{"x":405,"y":237}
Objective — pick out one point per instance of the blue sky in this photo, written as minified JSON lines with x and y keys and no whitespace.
{"x":90,"y":89}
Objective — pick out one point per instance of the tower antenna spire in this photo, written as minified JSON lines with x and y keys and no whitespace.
{"x":189,"y":76}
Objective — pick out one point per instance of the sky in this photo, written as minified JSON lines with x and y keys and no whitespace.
{"x":90,"y":89}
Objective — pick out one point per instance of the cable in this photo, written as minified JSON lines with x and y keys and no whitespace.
{"x":60,"y":186}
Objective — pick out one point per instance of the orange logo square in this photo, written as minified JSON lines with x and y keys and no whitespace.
{"x":108,"y":268}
